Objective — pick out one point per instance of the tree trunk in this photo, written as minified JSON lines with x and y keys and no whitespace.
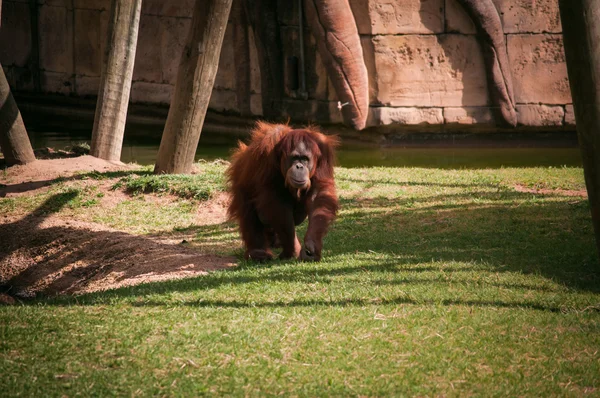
{"x":581,"y":32}
{"x":262,"y":17}
{"x":242,"y":57}
{"x":195,"y":81}
{"x":14,"y":141}
{"x":115,"y":83}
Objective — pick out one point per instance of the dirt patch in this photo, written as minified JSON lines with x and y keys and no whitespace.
{"x":38,"y":174}
{"x":45,"y":255}
{"x":50,"y":256}
{"x":6,"y":299}
{"x":541,"y":191}
{"x":213,"y":211}
{"x":54,"y":168}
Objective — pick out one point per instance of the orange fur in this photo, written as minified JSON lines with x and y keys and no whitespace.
{"x":264,"y":207}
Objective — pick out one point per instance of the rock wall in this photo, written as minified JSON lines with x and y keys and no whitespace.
{"x":425,"y":65}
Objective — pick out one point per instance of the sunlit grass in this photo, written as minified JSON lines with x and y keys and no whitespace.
{"x":434,"y":282}
{"x":201,"y":186}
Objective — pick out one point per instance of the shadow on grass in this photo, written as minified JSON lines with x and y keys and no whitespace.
{"x":456,"y":199}
{"x":552,"y":239}
{"x":361,"y":303}
{"x":310,"y":276}
{"x":372,"y":182}
{"x":503,"y":231}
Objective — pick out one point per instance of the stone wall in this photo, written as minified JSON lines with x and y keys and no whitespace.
{"x":425,"y":65}
{"x":70,"y":47}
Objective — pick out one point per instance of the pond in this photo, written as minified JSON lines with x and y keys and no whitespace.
{"x":143,"y":149}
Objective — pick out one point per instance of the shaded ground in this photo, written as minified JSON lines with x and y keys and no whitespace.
{"x":46,"y":256}
{"x":42,"y":253}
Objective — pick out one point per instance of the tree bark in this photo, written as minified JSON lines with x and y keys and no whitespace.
{"x":195,"y":80}
{"x":581,"y":32}
{"x":14,"y":142}
{"x":115,"y":83}
{"x":242,"y":57}
{"x":262,"y":16}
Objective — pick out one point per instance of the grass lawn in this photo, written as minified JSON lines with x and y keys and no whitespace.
{"x":434,"y":282}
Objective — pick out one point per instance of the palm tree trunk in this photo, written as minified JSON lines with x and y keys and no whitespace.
{"x":195,"y":81}
{"x":14,"y":142}
{"x":115,"y":83}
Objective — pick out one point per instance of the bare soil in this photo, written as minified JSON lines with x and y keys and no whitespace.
{"x":48,"y":255}
{"x":54,"y":168}
{"x":38,"y":174}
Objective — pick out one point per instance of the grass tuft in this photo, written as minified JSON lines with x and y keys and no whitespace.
{"x":201,"y":186}
{"x":82,"y":148}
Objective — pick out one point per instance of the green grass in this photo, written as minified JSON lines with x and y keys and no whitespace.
{"x":60,"y":197}
{"x":434,"y":282}
{"x":81,"y":197}
{"x":139,"y":215}
{"x":199,"y":186}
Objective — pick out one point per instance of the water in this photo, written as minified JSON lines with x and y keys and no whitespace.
{"x":143,"y":148}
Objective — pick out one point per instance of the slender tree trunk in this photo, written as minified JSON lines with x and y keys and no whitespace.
{"x":115,"y":83}
{"x":195,"y":81}
{"x":242,"y":56}
{"x":34,"y":55}
{"x":581,"y":31}
{"x":14,"y":141}
{"x":262,"y":16}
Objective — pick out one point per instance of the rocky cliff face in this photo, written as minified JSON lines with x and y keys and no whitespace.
{"x":424,"y":59}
